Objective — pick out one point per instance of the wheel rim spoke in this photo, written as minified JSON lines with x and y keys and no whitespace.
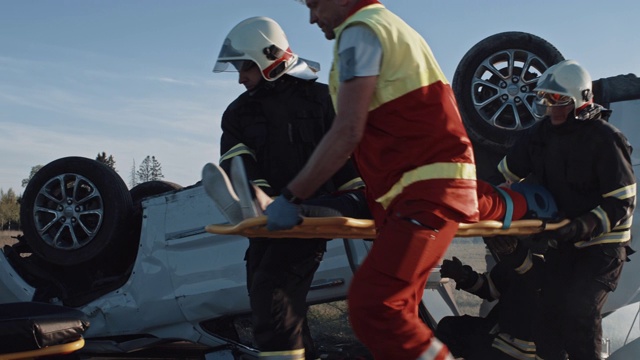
{"x":69,"y":212}
{"x":502,"y":89}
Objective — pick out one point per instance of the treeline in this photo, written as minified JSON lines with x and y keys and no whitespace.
{"x":149,"y":169}
{"x":9,"y":210}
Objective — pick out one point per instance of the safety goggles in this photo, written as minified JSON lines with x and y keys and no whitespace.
{"x":552,"y":99}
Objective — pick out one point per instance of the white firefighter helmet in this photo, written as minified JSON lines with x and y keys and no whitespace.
{"x":260,"y":40}
{"x":563,"y":83}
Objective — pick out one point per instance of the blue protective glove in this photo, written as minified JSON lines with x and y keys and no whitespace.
{"x":282,"y":214}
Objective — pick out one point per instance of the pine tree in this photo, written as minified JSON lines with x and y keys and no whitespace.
{"x":149,"y":170}
{"x":9,"y":210}
{"x":144,"y":170}
{"x":156,"y":169}
{"x":107,"y":160}
{"x":133,"y":180}
{"x":34,"y":170}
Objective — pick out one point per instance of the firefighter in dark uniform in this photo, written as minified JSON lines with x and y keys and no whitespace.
{"x":505,"y":333}
{"x":275,"y":126}
{"x":585,"y":163}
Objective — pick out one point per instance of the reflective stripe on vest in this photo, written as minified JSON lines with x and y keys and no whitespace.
{"x":429,"y":172}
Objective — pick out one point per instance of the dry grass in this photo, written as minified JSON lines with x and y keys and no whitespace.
{"x":8,"y":237}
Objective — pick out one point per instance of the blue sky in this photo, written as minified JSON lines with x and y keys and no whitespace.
{"x":133,"y":77}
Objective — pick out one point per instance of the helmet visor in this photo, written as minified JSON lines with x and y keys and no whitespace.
{"x":552,"y":99}
{"x":229,"y":54}
{"x":236,"y":65}
{"x":547,"y":100}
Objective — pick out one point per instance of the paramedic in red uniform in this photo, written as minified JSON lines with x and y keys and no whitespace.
{"x":397,"y":116}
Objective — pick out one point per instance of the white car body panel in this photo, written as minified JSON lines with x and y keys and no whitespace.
{"x":625,"y":117}
{"x":184,"y":275}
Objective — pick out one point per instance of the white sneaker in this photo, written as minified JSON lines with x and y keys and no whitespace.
{"x":243,"y":188}
{"x":217,"y":185}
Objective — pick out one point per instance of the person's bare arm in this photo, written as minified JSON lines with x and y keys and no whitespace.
{"x":342,"y":138}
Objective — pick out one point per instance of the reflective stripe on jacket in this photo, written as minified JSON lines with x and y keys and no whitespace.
{"x":297,"y":354}
{"x":276,"y":128}
{"x":586,"y":165}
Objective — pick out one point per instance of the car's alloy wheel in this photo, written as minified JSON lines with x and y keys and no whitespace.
{"x":75,"y":209}
{"x":494,"y":84}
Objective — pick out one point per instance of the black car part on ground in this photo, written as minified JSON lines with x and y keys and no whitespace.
{"x":29,"y":326}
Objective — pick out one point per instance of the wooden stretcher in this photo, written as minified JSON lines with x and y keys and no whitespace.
{"x":350,"y":228}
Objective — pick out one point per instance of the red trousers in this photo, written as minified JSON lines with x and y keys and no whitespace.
{"x":387,"y":288}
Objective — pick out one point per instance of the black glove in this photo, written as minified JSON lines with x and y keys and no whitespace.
{"x":580,"y":228}
{"x":502,"y":245}
{"x":454,"y":269}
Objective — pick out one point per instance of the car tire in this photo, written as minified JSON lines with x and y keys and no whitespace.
{"x":139,"y":193}
{"x":75,"y":209}
{"x":494,"y":82}
{"x":151,"y":188}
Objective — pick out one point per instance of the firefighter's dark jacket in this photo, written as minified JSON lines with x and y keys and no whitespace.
{"x":276,"y":128}
{"x":515,"y":281}
{"x":586,"y":165}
